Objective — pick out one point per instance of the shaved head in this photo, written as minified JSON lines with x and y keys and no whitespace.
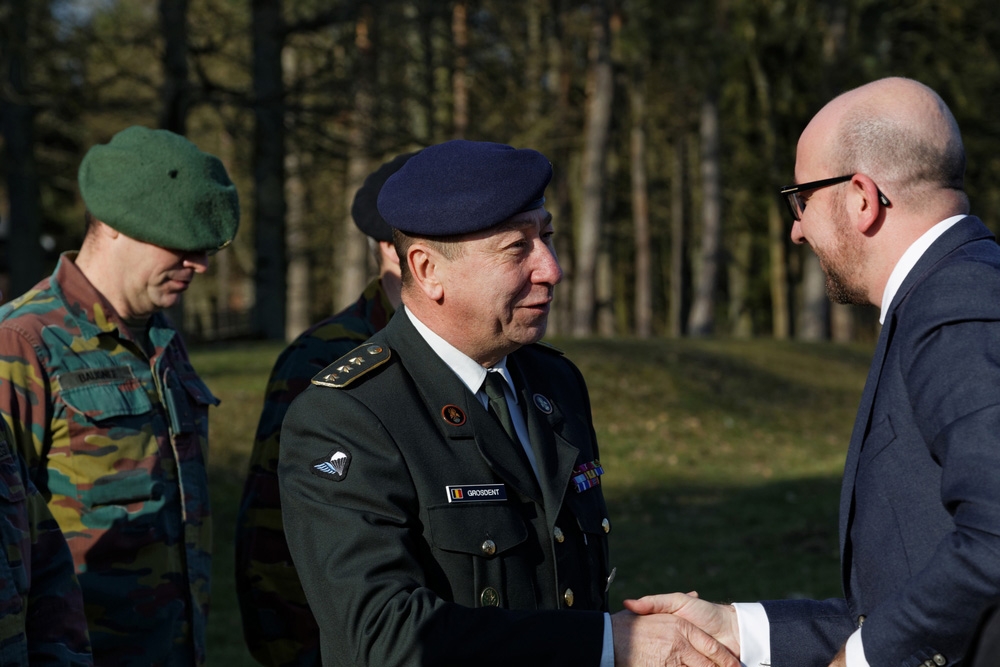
{"x":897,"y":131}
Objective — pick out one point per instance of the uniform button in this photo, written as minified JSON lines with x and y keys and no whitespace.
{"x":489,"y":597}
{"x":558,"y":534}
{"x":929,"y":663}
{"x":489,"y":547}
{"x":568,"y":597}
{"x":940,"y":660}
{"x":861,"y":620}
{"x":606,"y":525}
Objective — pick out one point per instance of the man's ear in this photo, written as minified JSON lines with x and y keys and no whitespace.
{"x":866,"y":203}
{"x":426,"y":265}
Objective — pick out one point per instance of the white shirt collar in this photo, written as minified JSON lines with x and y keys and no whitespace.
{"x":465,"y":367}
{"x":910,"y":259}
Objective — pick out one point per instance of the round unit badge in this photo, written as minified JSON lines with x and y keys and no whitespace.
{"x":453,"y":415}
{"x":543,"y":404}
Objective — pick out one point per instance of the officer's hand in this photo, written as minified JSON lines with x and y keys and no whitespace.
{"x":717,"y":620}
{"x":665,"y":640}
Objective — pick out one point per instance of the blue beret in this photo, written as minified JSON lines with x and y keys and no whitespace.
{"x":460,"y":187}
{"x":364,"y":208}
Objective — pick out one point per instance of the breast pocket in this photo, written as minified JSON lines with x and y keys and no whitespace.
{"x":188,"y":399}
{"x":482,"y":545}
{"x":112,"y":440}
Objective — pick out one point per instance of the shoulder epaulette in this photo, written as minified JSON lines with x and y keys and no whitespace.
{"x":351,"y":366}
{"x":550,"y":348}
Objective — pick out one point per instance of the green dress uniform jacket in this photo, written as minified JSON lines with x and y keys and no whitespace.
{"x":116,"y":438}
{"x":401,"y":560}
{"x":278,"y":627}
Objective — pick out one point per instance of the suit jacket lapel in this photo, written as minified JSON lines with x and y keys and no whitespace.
{"x":439,"y":387}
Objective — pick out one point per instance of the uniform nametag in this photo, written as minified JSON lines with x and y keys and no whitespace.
{"x":88,"y":376}
{"x":471,"y":493}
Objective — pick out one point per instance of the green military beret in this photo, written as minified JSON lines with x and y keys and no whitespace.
{"x":156,"y":186}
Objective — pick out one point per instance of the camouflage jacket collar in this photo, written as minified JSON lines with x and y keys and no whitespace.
{"x":94,"y":313}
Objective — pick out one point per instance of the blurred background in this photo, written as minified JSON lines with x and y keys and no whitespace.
{"x":670,"y":126}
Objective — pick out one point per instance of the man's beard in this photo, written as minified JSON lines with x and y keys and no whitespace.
{"x":839,"y":290}
{"x":840,"y":266}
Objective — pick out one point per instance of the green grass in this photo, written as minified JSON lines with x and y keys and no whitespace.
{"x":722,"y":464}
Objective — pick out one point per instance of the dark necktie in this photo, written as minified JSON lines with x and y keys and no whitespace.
{"x":498,"y":403}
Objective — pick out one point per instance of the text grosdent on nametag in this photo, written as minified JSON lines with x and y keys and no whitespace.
{"x":470,"y":493}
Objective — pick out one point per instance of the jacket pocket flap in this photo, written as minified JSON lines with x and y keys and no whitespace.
{"x":466,"y":528}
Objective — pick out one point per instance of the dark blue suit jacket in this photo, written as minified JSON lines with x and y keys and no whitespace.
{"x":920,"y":501}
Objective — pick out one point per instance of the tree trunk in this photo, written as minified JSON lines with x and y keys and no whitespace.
{"x":776,"y":228}
{"x":296,"y":237}
{"x":175,"y":94}
{"x":533,"y":68}
{"x":702,"y":318}
{"x":269,"y":169}
{"x":738,"y":270}
{"x":459,"y":76}
{"x":352,"y":255}
{"x":558,"y":193}
{"x":815,"y":316}
{"x":678,"y":238}
{"x":175,"y":102}
{"x":17,"y":119}
{"x":600,"y":93}
{"x":640,"y":213}
{"x":814,"y":320}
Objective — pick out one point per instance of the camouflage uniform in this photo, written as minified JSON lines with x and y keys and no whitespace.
{"x":116,"y":440}
{"x":41,"y":609}
{"x":277,"y":624}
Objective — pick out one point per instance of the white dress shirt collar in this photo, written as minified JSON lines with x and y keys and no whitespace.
{"x":471,"y":373}
{"x":910,"y":259}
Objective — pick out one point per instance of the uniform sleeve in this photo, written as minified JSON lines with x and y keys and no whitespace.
{"x":278,"y":627}
{"x":54,"y":624}
{"x":950,"y":362}
{"x":366,"y":571}
{"x":24,"y":404}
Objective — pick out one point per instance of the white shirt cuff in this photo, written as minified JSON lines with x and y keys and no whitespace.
{"x":856,"y":650}
{"x":755,"y":634}
{"x":608,"y":648}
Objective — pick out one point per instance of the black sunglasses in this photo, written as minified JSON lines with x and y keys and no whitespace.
{"x":797,"y":204}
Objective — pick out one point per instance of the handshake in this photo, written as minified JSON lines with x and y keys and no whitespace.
{"x":675,"y":630}
{"x":680,"y":630}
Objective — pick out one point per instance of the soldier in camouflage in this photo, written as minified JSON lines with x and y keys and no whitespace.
{"x":41,"y":608}
{"x":278,"y":626}
{"x":103,"y":403}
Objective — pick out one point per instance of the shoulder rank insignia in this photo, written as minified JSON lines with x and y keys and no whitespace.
{"x":353,"y":365}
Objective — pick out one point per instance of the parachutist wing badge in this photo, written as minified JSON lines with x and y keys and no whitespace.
{"x":333,"y":467}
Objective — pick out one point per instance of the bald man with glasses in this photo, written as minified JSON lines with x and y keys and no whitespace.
{"x":920,"y":501}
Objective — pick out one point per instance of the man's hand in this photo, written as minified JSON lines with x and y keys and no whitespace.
{"x":840,"y":660}
{"x":717,"y":620}
{"x":663,"y":640}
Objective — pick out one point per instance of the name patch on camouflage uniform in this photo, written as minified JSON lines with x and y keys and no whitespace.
{"x":333,"y":467}
{"x":86,"y":376}
{"x":471,"y":493}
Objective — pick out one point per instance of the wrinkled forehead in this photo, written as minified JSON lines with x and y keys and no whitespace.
{"x":537,"y":218}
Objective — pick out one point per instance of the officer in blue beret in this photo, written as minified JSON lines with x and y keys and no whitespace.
{"x":441,"y":483}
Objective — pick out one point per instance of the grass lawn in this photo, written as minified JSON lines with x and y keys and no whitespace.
{"x":722,"y":464}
